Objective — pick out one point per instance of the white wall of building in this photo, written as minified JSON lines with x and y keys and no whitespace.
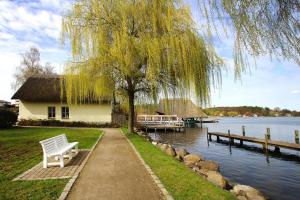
{"x":100,"y":113}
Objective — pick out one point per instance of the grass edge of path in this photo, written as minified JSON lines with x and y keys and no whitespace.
{"x":180,"y":181}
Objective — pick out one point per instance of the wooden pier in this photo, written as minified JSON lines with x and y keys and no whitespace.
{"x":160,"y":122}
{"x":264,"y":142}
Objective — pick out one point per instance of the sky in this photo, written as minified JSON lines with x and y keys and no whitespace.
{"x":23,"y":24}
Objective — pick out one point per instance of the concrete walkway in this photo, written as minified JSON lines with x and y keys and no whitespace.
{"x":114,"y":171}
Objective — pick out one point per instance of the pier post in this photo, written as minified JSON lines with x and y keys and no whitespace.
{"x":218,"y":139}
{"x":269,"y":133}
{"x":277,"y":149}
{"x":297,"y":136}
{"x":244,"y":132}
{"x":231,"y":140}
{"x":265,"y":145}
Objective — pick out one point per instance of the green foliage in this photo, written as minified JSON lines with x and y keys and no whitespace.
{"x":136,"y":47}
{"x":7,"y":118}
{"x":249,"y":111}
{"x":178,"y":179}
{"x":232,"y":113}
{"x":260,"y":27}
{"x":20,"y":150}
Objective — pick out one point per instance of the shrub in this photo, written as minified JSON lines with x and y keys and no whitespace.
{"x":7,"y":118}
{"x":29,"y":122}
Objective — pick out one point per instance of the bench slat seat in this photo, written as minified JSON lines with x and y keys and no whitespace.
{"x":58,"y":146}
{"x":63,"y":149}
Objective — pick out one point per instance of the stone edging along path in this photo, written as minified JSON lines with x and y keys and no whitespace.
{"x":71,"y":182}
{"x":154,"y":177}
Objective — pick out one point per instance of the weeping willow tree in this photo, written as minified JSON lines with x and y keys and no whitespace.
{"x":259,"y":27}
{"x":137,"y":49}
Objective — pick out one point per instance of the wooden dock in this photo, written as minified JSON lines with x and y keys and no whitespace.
{"x":264,"y":142}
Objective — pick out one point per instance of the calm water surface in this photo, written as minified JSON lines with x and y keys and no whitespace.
{"x":276,"y":175}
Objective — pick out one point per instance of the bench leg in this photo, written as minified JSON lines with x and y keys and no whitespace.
{"x":68,"y":155}
{"x":61,"y":160}
{"x":75,"y":150}
{"x":45,"y":161}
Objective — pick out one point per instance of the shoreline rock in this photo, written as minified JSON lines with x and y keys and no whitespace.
{"x":163,"y":147}
{"x":191,"y":159}
{"x":208,"y":165}
{"x":248,"y":192}
{"x":217,"y":179}
{"x":170,"y":151}
{"x":208,"y":169}
{"x":181,"y":152}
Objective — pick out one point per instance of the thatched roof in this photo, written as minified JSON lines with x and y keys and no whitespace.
{"x":183,"y":108}
{"x":4,"y":102}
{"x":40,"y":89}
{"x":43,"y":89}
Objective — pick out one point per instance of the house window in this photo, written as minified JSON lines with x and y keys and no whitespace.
{"x":65,"y":112}
{"x":51,"y":112}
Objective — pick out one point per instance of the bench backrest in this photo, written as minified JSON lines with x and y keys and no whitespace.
{"x":54,"y":143}
{"x":61,"y":140}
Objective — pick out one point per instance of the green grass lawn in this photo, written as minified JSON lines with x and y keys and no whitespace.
{"x":178,"y":179}
{"x":20,"y":150}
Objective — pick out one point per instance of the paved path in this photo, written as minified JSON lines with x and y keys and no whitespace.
{"x":114,"y":171}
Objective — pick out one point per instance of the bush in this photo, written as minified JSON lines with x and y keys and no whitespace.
{"x":7,"y":118}
{"x":30,"y":122}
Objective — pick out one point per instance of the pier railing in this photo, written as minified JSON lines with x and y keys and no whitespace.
{"x":159,"y":121}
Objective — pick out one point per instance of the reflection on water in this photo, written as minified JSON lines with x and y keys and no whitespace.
{"x":276,"y":175}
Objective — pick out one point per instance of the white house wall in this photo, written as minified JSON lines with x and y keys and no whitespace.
{"x":100,"y":113}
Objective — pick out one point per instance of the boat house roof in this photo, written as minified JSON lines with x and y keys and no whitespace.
{"x":183,"y":108}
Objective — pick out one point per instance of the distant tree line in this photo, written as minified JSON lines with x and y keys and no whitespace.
{"x":250,"y":111}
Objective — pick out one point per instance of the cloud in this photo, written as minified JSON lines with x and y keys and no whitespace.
{"x":8,"y":63}
{"x":6,"y":36}
{"x":295,"y":91}
{"x":16,"y":18}
{"x":24,"y":24}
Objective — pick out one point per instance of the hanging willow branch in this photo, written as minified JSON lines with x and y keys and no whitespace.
{"x":261,"y":27}
{"x":136,"y":49}
{"x":144,"y":47}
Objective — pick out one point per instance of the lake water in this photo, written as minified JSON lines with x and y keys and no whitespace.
{"x":276,"y":175}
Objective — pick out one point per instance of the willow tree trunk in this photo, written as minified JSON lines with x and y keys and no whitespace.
{"x":131,"y":111}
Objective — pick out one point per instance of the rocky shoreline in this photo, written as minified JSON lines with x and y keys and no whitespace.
{"x":208,"y":169}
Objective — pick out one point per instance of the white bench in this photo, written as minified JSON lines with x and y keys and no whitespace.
{"x":58,"y":147}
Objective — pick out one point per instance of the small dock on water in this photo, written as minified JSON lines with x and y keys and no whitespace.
{"x":160,"y":122}
{"x":265,"y":142}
